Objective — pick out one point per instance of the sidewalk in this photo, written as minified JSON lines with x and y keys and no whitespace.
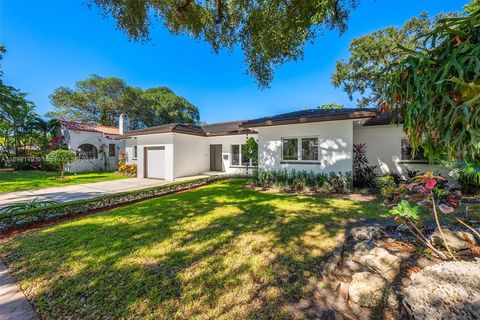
{"x":13,"y":304}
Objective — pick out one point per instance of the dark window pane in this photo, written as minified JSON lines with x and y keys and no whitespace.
{"x":111,"y":150}
{"x":235,"y":154}
{"x":135,"y":152}
{"x":87,"y":151}
{"x":290,"y":149}
{"x":309,"y":149}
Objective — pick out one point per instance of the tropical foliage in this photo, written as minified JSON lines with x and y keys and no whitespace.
{"x":299,"y":180}
{"x":28,"y":205}
{"x":364,"y":175}
{"x":102,"y":99}
{"x":426,"y":194}
{"x":360,"y":76}
{"x":127,"y":169}
{"x":269,"y":32}
{"x":23,"y":133}
{"x":435,"y":89}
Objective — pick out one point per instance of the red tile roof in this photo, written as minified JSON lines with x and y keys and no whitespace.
{"x":72,"y":125}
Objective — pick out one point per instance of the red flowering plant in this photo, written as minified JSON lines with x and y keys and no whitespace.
{"x":57,"y":143}
{"x":424,"y":195}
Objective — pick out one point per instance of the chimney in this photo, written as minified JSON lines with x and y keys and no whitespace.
{"x":123,"y":123}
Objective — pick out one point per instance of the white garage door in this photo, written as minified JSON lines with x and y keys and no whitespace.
{"x":155,"y":162}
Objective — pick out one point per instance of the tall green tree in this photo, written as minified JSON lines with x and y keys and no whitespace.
{"x":331,"y":106}
{"x":161,"y":105}
{"x":102,"y":99}
{"x":269,"y":32}
{"x":96,"y":99}
{"x":361,"y":74}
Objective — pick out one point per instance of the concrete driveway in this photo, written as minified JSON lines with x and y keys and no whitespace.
{"x":79,"y":191}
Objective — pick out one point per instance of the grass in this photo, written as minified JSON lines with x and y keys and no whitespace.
{"x":218,"y":252}
{"x":27,"y":180}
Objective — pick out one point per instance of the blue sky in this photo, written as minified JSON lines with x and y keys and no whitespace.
{"x":55,"y":43}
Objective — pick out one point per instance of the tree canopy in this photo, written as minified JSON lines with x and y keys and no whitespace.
{"x":435,"y":89}
{"x":331,"y":106}
{"x":269,"y":32}
{"x":102,"y":99}
{"x":361,"y":75}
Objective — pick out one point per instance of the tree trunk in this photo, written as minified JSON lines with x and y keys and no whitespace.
{"x":62,"y":170}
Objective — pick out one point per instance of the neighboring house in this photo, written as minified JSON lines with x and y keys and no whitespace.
{"x":313,"y":140}
{"x":177,"y":150}
{"x":95,"y":145}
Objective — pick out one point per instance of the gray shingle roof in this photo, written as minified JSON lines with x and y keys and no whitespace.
{"x":311,"y":115}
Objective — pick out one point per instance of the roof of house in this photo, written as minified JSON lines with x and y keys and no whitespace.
{"x":90,"y":127}
{"x":209,"y":130}
{"x":311,"y":115}
{"x":384,"y":118}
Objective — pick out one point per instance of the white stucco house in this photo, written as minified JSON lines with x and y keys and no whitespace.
{"x":177,"y":150}
{"x":312,"y":140}
{"x":96,"y":146}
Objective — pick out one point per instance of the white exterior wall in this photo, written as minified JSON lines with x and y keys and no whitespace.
{"x":155,"y":140}
{"x":226,"y":142}
{"x":335,"y":146}
{"x":191,"y":155}
{"x":129,"y":144}
{"x":383,"y":145}
{"x":186,"y":155}
{"x":74,"y":139}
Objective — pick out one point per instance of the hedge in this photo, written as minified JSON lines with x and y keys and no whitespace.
{"x":41,"y":214}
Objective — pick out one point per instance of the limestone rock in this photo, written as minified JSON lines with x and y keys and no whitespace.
{"x":367,"y":289}
{"x":448,"y":290}
{"x":455,"y":239}
{"x":366,"y":233}
{"x":386,"y":264}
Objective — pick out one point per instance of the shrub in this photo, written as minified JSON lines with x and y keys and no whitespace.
{"x":386,"y":184}
{"x":364,"y":175}
{"x":61,"y":158}
{"x":431,"y":194}
{"x":127,"y":169}
{"x":299,"y":180}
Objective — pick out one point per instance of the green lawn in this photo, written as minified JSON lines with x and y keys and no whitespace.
{"x":27,"y":180}
{"x":220,"y":251}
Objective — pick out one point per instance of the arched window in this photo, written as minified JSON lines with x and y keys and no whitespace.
{"x":87,"y":151}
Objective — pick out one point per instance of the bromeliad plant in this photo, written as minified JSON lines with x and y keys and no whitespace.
{"x":426,"y":194}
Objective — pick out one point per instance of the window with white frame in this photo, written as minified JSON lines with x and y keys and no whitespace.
{"x":135,"y":152}
{"x":239,"y":157}
{"x":302,"y":148}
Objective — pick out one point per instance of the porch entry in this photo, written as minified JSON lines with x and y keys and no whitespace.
{"x":216,"y":157}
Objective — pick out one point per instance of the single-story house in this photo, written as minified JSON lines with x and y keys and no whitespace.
{"x":177,"y":150}
{"x":316,"y":140}
{"x":96,"y":146}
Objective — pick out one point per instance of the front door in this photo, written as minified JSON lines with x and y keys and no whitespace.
{"x":216,"y":157}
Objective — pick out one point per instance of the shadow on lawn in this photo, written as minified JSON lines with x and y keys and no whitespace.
{"x":218,"y":251}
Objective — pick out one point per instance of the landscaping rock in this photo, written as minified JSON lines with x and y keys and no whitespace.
{"x":455,"y":239}
{"x":448,"y":290}
{"x":369,"y":290}
{"x":380,"y":260}
{"x":366,"y":233}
